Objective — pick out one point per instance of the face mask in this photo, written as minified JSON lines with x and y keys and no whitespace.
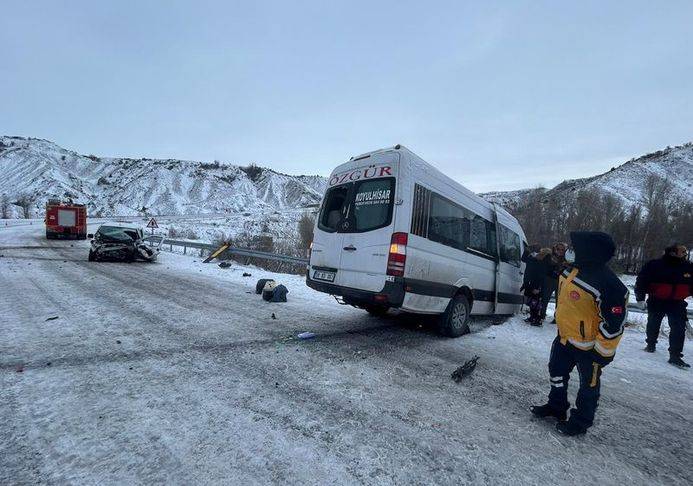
{"x":570,"y":256}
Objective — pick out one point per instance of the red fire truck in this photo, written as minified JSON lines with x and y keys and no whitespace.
{"x":65,"y":220}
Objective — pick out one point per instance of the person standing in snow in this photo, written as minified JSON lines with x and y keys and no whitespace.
{"x":554,"y":264}
{"x":667,"y":281}
{"x":590,"y":314}
{"x":533,"y":282}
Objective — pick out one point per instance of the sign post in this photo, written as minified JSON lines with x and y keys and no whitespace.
{"x":152,"y":224}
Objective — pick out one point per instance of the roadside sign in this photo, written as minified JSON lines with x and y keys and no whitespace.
{"x":152,"y":224}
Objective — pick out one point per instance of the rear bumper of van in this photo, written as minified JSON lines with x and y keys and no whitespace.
{"x":392,"y":294}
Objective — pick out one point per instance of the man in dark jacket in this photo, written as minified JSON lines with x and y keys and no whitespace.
{"x":590,"y":313}
{"x":553,"y":265}
{"x":667,"y":281}
{"x":533,"y":282}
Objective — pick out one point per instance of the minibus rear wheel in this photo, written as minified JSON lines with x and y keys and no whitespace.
{"x":454,"y":321}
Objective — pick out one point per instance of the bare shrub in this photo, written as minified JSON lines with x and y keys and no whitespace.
{"x":305,"y":231}
{"x":252,"y":171}
{"x":25,"y":202}
{"x":4,"y":206}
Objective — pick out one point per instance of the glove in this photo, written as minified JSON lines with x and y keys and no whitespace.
{"x":601,"y":360}
{"x":641,"y":304}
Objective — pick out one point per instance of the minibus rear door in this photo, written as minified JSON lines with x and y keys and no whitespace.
{"x":327,"y":241}
{"x":370,"y":220}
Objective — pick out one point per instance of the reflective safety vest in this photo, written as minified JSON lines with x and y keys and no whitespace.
{"x":591,"y":309}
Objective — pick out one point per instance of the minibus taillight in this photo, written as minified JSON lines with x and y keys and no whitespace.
{"x":398,"y":254}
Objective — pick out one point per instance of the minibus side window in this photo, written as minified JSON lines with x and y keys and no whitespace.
{"x":333,"y":207}
{"x":457,"y":227}
{"x":483,"y":236}
{"x":448,"y":223}
{"x":421,"y":209}
{"x":509,"y":246}
{"x":491,"y":239}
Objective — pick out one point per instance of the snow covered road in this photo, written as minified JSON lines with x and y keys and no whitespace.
{"x":176,"y":373}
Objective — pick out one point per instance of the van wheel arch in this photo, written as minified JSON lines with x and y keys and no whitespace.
{"x":467,"y":292}
{"x":454,"y":321}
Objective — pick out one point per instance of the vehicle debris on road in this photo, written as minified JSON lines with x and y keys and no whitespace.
{"x":275,"y":294}
{"x":260,"y":285}
{"x":306,"y":335}
{"x":52,"y":318}
{"x":225,"y":264}
{"x":464,"y":370}
{"x":268,"y":290}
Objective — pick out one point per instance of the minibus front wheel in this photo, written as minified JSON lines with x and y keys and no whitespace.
{"x":454,"y":321}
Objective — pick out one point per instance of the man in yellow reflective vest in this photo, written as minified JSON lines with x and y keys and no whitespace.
{"x":590,"y":314}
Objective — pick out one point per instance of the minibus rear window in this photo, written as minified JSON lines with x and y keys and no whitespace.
{"x":373,"y":204}
{"x":333,"y":207}
{"x":358,"y":206}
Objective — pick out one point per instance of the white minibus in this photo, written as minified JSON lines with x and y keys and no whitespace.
{"x":394,"y":232}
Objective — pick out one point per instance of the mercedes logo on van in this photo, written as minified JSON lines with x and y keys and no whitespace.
{"x":345,"y":225}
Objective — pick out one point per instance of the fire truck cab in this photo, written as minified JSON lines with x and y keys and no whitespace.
{"x":65,"y":220}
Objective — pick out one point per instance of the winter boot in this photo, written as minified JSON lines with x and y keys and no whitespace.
{"x":650,"y":348}
{"x":678,"y":362}
{"x":536,"y":322}
{"x":570,"y":428}
{"x":544,"y":411}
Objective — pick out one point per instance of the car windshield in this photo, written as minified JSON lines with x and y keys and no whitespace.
{"x":116,"y":233}
{"x":359,"y":206}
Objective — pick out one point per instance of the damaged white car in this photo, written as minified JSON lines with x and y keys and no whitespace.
{"x":122,"y":242}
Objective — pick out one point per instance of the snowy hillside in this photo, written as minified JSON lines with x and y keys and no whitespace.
{"x":506,"y":199}
{"x":627,"y":181}
{"x":38,"y":169}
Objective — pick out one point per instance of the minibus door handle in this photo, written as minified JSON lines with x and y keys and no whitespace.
{"x":349,"y":248}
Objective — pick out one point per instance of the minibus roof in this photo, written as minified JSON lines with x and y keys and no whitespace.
{"x":504,"y":216}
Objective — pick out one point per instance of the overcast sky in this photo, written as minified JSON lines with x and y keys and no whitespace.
{"x":499,"y":95}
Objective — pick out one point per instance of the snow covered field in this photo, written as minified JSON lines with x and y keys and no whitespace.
{"x":176,"y":373}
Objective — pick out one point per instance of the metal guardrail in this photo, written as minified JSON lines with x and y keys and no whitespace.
{"x":290,"y":259}
{"x":8,"y":223}
{"x":234,"y":251}
{"x":637,"y":310}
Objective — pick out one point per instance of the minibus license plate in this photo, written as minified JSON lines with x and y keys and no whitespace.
{"x":323,"y":275}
